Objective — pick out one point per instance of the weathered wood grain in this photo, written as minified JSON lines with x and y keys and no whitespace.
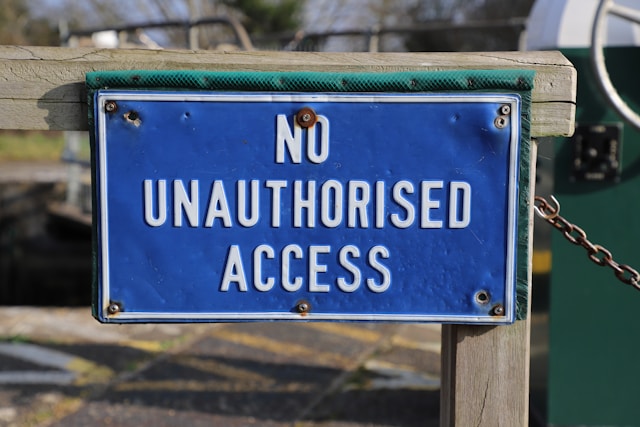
{"x":485,"y":378}
{"x":43,"y":87}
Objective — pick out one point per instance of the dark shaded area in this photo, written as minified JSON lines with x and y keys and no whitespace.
{"x":500,"y":38}
{"x":281,"y":393}
{"x":497,"y":38}
{"x":592,"y":109}
{"x":392,"y":407}
{"x":44,"y":260}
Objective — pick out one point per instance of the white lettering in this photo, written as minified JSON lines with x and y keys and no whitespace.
{"x":276,"y":186}
{"x":234,"y":271}
{"x":218,"y":206}
{"x":287,"y":251}
{"x":254,"y":204}
{"x":315,"y":268}
{"x":459,"y":211}
{"x":284,"y":139}
{"x":289,"y":142}
{"x":380,"y":268}
{"x":345,"y":252}
{"x":324,"y":140}
{"x":357,"y":206}
{"x":183,"y":202}
{"x":258,"y":252}
{"x":427,"y":204}
{"x":148,"y":202}
{"x":316,"y":275}
{"x":398,"y":189}
{"x":299,"y":203}
{"x":328,"y":188}
{"x":330,"y":203}
{"x":380,"y":216}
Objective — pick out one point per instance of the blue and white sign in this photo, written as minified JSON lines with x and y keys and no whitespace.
{"x":271,"y":206}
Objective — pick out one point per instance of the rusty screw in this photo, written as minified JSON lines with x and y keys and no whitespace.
{"x":303,"y":307}
{"x":497,"y":310}
{"x":110,"y":106}
{"x":306,"y":117}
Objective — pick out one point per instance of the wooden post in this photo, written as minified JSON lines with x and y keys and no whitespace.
{"x":485,"y":369}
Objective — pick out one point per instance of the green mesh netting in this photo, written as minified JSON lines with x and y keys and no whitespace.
{"x":406,"y":81}
{"x":501,"y":81}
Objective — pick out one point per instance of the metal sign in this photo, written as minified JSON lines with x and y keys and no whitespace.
{"x":270,"y":206}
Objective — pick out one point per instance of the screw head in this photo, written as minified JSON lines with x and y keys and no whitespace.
{"x":505,"y":109}
{"x":114,"y":308}
{"x":306,"y":117}
{"x":110,"y":106}
{"x":303,"y":307}
{"x":497,"y":310}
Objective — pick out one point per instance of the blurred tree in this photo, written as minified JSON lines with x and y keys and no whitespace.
{"x":18,"y":27}
{"x":264,"y":16}
{"x":258,"y":16}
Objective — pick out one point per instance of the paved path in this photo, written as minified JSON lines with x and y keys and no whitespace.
{"x":59,"y":367}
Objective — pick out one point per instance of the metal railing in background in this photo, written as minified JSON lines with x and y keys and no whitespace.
{"x":313,"y":41}
{"x":190,"y":28}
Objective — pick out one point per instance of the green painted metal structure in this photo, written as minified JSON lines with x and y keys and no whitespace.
{"x":594,"y":369}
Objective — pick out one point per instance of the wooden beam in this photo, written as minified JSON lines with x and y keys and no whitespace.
{"x":43,"y":87}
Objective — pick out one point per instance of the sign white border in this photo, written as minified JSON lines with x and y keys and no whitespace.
{"x":127,"y":316}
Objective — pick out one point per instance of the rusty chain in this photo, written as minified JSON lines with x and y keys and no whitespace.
{"x":576,"y":235}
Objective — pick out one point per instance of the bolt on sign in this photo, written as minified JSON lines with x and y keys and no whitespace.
{"x":244,"y":206}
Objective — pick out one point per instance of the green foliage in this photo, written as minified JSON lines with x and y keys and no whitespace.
{"x":263,"y":16}
{"x":30,"y":146}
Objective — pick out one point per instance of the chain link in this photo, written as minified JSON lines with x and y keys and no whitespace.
{"x":576,"y":235}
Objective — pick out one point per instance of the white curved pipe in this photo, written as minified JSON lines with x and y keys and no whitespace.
{"x":603,"y":80}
